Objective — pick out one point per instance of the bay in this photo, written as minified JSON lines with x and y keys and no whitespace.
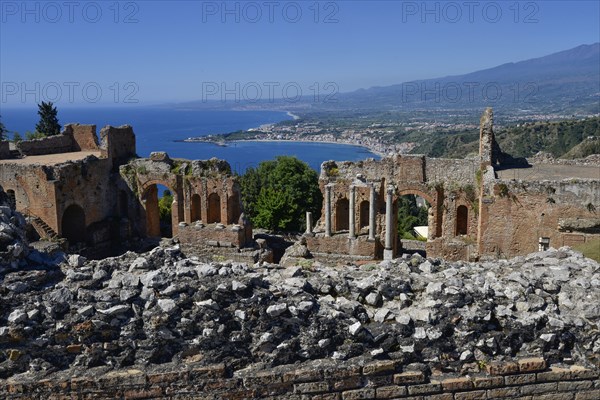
{"x":160,"y":128}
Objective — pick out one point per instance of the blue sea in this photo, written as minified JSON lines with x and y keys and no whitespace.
{"x":158,"y":128}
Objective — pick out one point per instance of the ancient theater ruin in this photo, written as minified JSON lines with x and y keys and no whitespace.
{"x":490,"y":207}
{"x":93,"y":195}
{"x":97,"y":194}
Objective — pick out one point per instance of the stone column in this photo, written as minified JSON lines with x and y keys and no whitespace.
{"x":372,"y":213}
{"x":388,"y":252}
{"x":388,"y":218}
{"x":352,"y":213}
{"x":328,"y":210}
{"x":309,"y":222}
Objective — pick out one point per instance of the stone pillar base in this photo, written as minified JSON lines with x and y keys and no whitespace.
{"x":388,"y":254}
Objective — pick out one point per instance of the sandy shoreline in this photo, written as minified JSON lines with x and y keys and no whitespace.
{"x":308,"y":141}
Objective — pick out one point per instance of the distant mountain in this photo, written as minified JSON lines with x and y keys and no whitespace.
{"x":566,"y":82}
{"x":565,"y":139}
{"x":561,"y":82}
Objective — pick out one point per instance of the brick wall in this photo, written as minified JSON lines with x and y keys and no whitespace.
{"x":62,"y":143}
{"x":526,"y":379}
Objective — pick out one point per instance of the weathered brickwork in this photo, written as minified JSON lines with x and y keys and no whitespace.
{"x":206,"y":208}
{"x":472,"y":213}
{"x":374,"y":380}
{"x":73,"y":194}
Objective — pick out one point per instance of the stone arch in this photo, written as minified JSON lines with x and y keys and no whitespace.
{"x":342,"y":217}
{"x":150,"y":201}
{"x":73,"y":226}
{"x":214,"y":208}
{"x":435,"y":223}
{"x":196,"y":207}
{"x":462,"y":220}
{"x":364,"y":214}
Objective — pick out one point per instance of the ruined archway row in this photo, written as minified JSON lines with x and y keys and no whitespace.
{"x":206,"y":197}
{"x":360,"y":211}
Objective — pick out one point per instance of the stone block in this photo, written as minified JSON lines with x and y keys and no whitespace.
{"x":455,"y":384}
{"x":474,"y":395}
{"x":390,"y":392}
{"x":427,"y":388}
{"x":360,"y":394}
{"x":311,"y":387}
{"x":502,"y":368}
{"x":535,"y":364}
{"x":409,"y":378}
{"x":379,"y":367}
{"x":539,"y":388}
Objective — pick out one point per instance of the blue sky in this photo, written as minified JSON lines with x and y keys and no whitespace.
{"x":109,"y":52}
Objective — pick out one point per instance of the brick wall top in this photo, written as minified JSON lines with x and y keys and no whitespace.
{"x":326,"y":379}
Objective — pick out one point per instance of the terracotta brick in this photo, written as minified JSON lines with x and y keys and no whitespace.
{"x":519,"y":379}
{"x":409,"y":377}
{"x":589,"y":395}
{"x":502,"y":368}
{"x":555,"y":374}
{"x":532,"y":364}
{"x":578,"y":372}
{"x":488,"y":382}
{"x":442,"y":396}
{"x":475,"y":395}
{"x":360,"y":394}
{"x":390,"y":392}
{"x":261,"y":379}
{"x":311,"y":387}
{"x":455,"y":384}
{"x":500,"y":393}
{"x":303,"y":375}
{"x":554,"y":396}
{"x":347,"y":383}
{"x":155,"y":392}
{"x":539,"y":388}
{"x":210,"y":372}
{"x":575,"y":386}
{"x":427,"y":388}
{"x":379,"y":367}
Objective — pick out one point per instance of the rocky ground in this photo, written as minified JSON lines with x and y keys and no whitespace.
{"x":61,"y":313}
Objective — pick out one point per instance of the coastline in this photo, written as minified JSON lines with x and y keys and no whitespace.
{"x":310,"y":141}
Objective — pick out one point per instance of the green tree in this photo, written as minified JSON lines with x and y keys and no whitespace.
{"x":409,"y":216}
{"x":48,"y":124}
{"x":17,"y":137}
{"x":34,"y":135}
{"x":3,"y":131}
{"x":277,"y":194}
{"x":275,"y":209}
{"x":164,"y":207}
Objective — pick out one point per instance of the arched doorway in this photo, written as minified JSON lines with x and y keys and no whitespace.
{"x":159,"y":218}
{"x":73,"y":224}
{"x":462,"y":220}
{"x":214,"y":208}
{"x":364,"y":214}
{"x":342,"y":207}
{"x":196,"y":207}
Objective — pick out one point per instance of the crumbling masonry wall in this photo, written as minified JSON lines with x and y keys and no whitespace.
{"x":528,"y":378}
{"x":206,"y":208}
{"x":472,"y":213}
{"x":47,"y":184}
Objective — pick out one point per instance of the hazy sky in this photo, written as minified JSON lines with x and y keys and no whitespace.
{"x":77,"y":52}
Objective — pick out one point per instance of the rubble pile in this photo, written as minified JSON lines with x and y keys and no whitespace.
{"x":161,"y":307}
